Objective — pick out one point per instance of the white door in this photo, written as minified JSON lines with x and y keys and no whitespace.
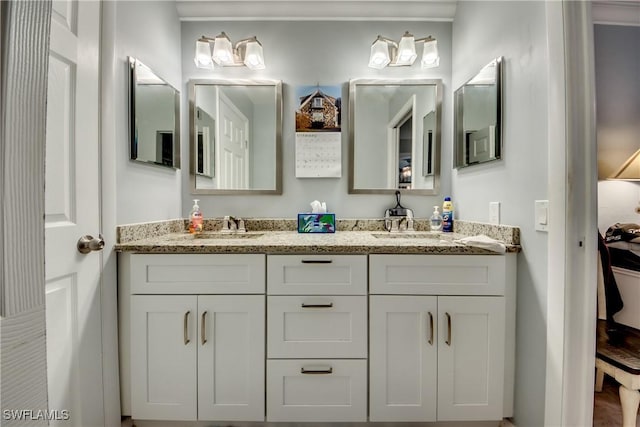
{"x":163,"y":357}
{"x":233,"y":146}
{"x":403,"y":358}
{"x":73,"y":317}
{"x":231,"y":343}
{"x":470,"y":358}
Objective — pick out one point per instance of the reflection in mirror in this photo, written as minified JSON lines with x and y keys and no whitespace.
{"x":394,"y":135}
{"x":235,"y":136}
{"x":478,"y":117}
{"x":154,"y":117}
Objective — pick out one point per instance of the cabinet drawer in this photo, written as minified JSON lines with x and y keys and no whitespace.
{"x":437,"y":274}
{"x":317,"y":390}
{"x":317,"y":275}
{"x":197,"y":274}
{"x":317,"y":326}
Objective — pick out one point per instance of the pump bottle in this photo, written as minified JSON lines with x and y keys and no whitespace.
{"x":195,"y":218}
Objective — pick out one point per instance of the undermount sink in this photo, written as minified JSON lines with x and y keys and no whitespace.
{"x":407,"y":235}
{"x":218,"y":235}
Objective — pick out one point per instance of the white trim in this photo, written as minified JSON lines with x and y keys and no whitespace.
{"x":557,"y":195}
{"x":576,"y":316}
{"x":310,"y":10}
{"x":616,"y":12}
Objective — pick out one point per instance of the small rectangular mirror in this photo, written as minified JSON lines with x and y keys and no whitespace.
{"x":154,"y":111}
{"x":235,"y":129}
{"x":478,"y":117}
{"x":394,"y":135}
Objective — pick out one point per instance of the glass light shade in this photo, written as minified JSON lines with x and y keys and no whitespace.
{"x":203,"y":54}
{"x":223,"y":50}
{"x":406,"y":50}
{"x":379,"y":57}
{"x":253,"y":57}
{"x":430,"y":58}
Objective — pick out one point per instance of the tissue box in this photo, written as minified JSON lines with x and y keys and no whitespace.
{"x":316,"y":223}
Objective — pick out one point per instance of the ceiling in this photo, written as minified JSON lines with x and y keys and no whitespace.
{"x":316,"y":10}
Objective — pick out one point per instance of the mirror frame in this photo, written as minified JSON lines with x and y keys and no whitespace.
{"x":131,"y":64}
{"x":458,"y":111}
{"x":277,"y":84}
{"x":437,"y":137}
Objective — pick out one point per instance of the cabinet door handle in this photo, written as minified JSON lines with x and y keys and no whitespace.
{"x":186,"y":327}
{"x":203,"y":328}
{"x":327,"y":370}
{"x":430,"y":340}
{"x":317,"y":261}
{"x":325,"y":305}
{"x":448,"y":341}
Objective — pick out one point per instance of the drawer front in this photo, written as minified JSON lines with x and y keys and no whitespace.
{"x":317,"y":326}
{"x":317,"y":275}
{"x":197,"y":274}
{"x":317,"y":390}
{"x":437,"y":274}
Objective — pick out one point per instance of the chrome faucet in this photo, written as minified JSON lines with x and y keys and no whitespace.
{"x":233,"y":225}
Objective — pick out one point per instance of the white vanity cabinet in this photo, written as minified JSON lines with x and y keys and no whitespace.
{"x":196,"y":355}
{"x":316,"y":338}
{"x":441,"y":337}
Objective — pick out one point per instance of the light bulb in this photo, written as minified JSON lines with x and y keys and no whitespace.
{"x":379,"y":57}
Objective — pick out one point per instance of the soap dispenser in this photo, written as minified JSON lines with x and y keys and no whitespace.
{"x":435,"y":222}
{"x":195,"y":218}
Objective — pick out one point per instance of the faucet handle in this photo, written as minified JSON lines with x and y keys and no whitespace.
{"x":241,"y":228}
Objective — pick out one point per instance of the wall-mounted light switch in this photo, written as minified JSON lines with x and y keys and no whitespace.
{"x":542,"y":215}
{"x":494,"y":212}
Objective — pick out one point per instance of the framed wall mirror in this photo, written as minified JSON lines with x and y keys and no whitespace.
{"x":478,"y":117}
{"x":235,"y":132}
{"x":154,"y":119}
{"x":394,"y":135}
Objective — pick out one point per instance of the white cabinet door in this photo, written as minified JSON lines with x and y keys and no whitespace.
{"x":403,"y":363}
{"x":470,"y":358}
{"x":163,"y":357}
{"x":231,"y":353}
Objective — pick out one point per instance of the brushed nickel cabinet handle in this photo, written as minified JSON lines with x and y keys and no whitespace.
{"x":448,"y":341}
{"x":326,"y":305}
{"x":317,"y":261}
{"x":430,"y":340}
{"x":328,"y":370}
{"x":203,"y":328}
{"x":186,"y":327}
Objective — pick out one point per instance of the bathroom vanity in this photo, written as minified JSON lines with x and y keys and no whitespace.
{"x":285,"y":327}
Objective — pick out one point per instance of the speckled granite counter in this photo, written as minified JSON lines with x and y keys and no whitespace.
{"x":279,"y":236}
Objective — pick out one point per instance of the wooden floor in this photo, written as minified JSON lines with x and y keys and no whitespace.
{"x":606,"y":407}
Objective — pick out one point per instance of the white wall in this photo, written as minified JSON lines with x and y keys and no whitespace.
{"x":309,"y":53}
{"x":149,"y":31}
{"x":516,"y":30}
{"x":617,"y":61}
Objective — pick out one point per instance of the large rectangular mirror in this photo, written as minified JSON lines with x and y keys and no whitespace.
{"x":478,"y":117}
{"x":235,"y":131}
{"x":394,"y":135}
{"x":154,"y":107}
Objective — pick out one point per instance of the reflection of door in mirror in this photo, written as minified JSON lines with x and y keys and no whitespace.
{"x":400,"y":142}
{"x":205,"y":129}
{"x":233,"y":144}
{"x":428,"y":149}
{"x":405,"y":147}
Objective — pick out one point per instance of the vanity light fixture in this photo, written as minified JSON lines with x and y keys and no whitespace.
{"x":387,"y":52}
{"x":221,"y":51}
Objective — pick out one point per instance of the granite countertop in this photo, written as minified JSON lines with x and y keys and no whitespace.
{"x":280,"y":237}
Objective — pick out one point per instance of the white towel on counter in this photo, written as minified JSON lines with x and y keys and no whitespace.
{"x":484,"y":242}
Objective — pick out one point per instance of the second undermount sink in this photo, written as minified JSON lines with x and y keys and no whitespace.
{"x":408,"y":235}
{"x":220,"y":235}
